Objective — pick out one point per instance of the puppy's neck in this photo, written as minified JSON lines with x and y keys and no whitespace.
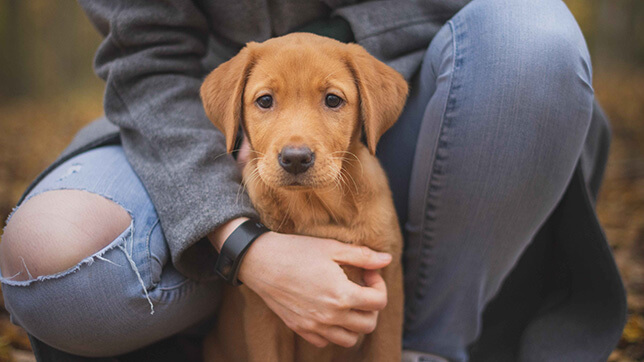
{"x":292,"y":211}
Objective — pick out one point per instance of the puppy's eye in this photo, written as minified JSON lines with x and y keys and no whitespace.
{"x":265,"y":101}
{"x":332,"y":101}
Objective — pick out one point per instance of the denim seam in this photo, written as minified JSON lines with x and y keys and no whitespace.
{"x":147,"y":246}
{"x":425,"y":245}
{"x":185,"y":286}
{"x":173,"y":287}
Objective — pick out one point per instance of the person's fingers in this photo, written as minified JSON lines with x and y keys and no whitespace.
{"x":339,"y":336}
{"x":314,"y":338}
{"x":371,"y":297}
{"x":360,"y":256}
{"x":360,"y":321}
{"x":373,"y":279}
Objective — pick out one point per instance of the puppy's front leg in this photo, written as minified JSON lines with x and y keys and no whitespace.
{"x":267,"y":337}
{"x":385,"y":343}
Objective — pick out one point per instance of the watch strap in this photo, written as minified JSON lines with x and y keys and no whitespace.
{"x":235,"y":247}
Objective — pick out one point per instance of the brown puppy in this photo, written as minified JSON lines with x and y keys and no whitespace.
{"x":303,"y":101}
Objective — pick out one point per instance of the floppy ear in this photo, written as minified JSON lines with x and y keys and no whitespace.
{"x":382,"y":92}
{"x":222,"y":92}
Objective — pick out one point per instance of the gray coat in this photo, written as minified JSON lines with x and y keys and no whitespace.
{"x":154,"y":58}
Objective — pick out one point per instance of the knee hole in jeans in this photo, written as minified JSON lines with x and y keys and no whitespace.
{"x":55,"y":230}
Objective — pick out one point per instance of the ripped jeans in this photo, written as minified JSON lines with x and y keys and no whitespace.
{"x":494,"y":125}
{"x":126,"y":289}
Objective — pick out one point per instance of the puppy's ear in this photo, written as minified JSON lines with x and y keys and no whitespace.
{"x":382,"y":92}
{"x":222,"y":92}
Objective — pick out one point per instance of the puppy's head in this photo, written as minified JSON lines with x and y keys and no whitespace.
{"x":302,"y":100}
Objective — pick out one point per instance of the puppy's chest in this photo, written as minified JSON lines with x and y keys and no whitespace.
{"x":306,"y":213}
{"x":353,"y":219}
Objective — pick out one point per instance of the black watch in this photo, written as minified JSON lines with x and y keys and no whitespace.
{"x":235,"y":247}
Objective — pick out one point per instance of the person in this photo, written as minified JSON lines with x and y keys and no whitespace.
{"x":496,"y":159}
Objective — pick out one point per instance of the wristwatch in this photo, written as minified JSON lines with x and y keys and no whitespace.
{"x":235,"y":247}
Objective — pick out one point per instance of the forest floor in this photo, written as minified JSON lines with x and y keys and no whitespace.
{"x":34,"y":131}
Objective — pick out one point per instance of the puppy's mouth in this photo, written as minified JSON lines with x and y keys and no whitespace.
{"x":299,"y":182}
{"x":314,"y":178}
{"x":296,"y":184}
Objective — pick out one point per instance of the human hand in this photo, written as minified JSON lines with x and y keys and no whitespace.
{"x":300,"y":279}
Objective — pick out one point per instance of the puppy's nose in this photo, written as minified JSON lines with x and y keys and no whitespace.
{"x":296,"y":159}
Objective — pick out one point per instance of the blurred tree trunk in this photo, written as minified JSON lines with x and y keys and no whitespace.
{"x":46,"y":47}
{"x":620,"y":35}
{"x":14,"y":77}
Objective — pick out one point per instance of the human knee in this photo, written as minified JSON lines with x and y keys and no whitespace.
{"x":535,"y":36}
{"x":54,"y":231}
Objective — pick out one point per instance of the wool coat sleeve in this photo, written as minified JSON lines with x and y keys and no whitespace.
{"x":398,"y":32}
{"x":150,"y":60}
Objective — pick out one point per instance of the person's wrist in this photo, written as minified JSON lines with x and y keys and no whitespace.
{"x":234,"y":249}
{"x":218,"y":236}
{"x":252,"y":265}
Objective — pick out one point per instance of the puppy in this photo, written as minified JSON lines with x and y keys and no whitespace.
{"x":303,"y":102}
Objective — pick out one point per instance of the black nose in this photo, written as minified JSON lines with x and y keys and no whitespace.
{"x":296,"y":159}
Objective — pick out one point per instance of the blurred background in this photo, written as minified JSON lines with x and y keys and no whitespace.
{"x":48,"y":91}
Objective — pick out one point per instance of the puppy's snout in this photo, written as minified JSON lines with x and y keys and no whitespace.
{"x":296,"y":160}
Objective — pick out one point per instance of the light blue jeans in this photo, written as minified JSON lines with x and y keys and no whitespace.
{"x":126,"y":296}
{"x":501,"y":109}
{"x":484,"y":150}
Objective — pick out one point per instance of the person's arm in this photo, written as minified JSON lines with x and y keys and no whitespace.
{"x":300,"y":279}
{"x":151,"y":63}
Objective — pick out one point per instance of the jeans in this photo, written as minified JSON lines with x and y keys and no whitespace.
{"x":129,"y":289}
{"x":499,"y":114}
{"x":494,"y":125}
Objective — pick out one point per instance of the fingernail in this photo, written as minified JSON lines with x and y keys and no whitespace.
{"x":384,"y":256}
